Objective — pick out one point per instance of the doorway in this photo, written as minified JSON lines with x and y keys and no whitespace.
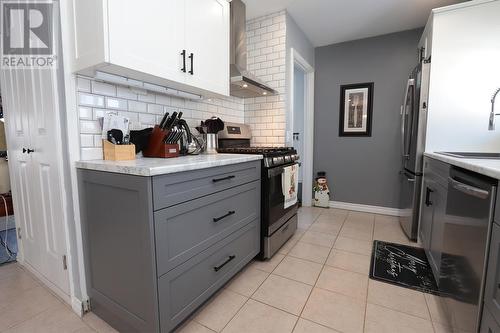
{"x":298,"y":116}
{"x":8,"y":239}
{"x":300,"y":122}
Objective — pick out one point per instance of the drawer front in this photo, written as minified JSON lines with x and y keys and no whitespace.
{"x":184,"y":230}
{"x":187,"y":286}
{"x":169,"y":190}
{"x":492,"y":288}
{"x":488,"y":323}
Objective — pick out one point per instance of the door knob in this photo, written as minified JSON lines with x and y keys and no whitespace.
{"x":28,"y":150}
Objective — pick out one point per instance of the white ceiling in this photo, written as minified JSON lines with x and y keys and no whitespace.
{"x":334,"y":21}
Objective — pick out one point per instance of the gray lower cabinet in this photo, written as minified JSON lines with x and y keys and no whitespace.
{"x":492,"y":287}
{"x":433,"y":211}
{"x":156,"y":250}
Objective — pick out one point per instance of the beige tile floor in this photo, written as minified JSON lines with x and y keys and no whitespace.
{"x":318,"y":282}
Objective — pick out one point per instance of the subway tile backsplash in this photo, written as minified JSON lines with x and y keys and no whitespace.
{"x":144,"y":108}
{"x":266,"y":45}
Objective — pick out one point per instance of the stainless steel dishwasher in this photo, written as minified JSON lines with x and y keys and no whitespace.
{"x":467,"y":224}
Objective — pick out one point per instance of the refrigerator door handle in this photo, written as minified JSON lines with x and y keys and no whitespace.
{"x":404,"y":150}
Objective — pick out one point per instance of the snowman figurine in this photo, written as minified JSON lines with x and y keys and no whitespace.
{"x":321,"y":191}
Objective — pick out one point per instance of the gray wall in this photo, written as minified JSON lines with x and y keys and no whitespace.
{"x":363,"y":170}
{"x":295,"y":38}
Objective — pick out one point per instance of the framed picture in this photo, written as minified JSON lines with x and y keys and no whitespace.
{"x":356,"y":109}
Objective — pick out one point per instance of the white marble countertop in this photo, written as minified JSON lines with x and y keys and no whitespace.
{"x":487,"y":167}
{"x":161,"y":166}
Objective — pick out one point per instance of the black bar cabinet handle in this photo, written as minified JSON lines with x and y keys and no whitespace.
{"x":217,"y":219}
{"x":215,"y":180}
{"x":191,"y":57}
{"x":183,"y":54}
{"x":428,"y":201}
{"x":218,"y":268}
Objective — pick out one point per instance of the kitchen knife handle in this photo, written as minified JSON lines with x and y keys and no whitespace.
{"x":217,"y":219}
{"x":191,"y":57}
{"x":183,"y":54}
{"x":215,"y":180}
{"x":218,"y":268}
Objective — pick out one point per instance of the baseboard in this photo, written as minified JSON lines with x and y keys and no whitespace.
{"x":365,"y":208}
{"x":77,"y":306}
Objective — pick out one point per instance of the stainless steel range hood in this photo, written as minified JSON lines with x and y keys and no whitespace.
{"x":243,"y":83}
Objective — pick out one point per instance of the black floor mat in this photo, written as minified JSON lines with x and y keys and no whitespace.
{"x":402,"y":265}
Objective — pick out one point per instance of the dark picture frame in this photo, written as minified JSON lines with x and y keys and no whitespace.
{"x":355,"y":118}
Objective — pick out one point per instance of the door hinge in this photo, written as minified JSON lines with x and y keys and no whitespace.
{"x":65,"y":262}
{"x":86,"y":306}
{"x":19,"y":233}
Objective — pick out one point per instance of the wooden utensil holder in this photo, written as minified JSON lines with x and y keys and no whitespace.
{"x":158,"y":148}
{"x":114,"y":152}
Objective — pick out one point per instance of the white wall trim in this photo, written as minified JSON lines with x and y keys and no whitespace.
{"x":77,"y":306}
{"x":366,"y":208}
{"x":76,"y":263}
{"x":307,"y":159}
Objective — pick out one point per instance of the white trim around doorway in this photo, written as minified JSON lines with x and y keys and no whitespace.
{"x":307,"y":160}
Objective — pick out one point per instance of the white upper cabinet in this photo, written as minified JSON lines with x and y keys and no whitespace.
{"x":208,"y":48}
{"x":183,"y":44}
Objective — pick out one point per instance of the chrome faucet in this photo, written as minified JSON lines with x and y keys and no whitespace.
{"x":491,"y":125}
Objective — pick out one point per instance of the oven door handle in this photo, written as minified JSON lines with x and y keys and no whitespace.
{"x":276,"y":171}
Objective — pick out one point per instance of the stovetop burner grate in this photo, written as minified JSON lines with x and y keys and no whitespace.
{"x":266,"y":151}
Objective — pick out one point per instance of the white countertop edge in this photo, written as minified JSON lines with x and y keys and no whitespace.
{"x":487,"y":167}
{"x":159,"y":166}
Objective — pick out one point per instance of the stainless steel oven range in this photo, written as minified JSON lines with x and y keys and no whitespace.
{"x":278,"y":223}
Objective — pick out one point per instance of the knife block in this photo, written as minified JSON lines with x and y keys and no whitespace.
{"x":158,"y":148}
{"x":114,"y":152}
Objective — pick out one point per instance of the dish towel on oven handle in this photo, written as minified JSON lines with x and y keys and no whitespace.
{"x":290,"y":184}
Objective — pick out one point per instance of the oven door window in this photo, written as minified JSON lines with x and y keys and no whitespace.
{"x":274,"y":200}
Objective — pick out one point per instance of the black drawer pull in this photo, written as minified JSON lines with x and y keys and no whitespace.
{"x":218,"y":268}
{"x":191,"y":57}
{"x":183,"y":54}
{"x":217,"y":219}
{"x":215,"y":180}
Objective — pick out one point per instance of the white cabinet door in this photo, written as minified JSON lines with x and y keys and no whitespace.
{"x":207,"y":40}
{"x":147,"y":36}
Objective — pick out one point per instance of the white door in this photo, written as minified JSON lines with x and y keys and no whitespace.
{"x":15,"y":88}
{"x":48,"y":180}
{"x":148,"y":36}
{"x":31,"y":108}
{"x":207,"y":43}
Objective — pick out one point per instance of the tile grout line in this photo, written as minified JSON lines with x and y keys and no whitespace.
{"x":368,"y":284}
{"x":315,"y":283}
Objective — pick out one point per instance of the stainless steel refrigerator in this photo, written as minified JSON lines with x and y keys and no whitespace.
{"x":413,"y":126}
